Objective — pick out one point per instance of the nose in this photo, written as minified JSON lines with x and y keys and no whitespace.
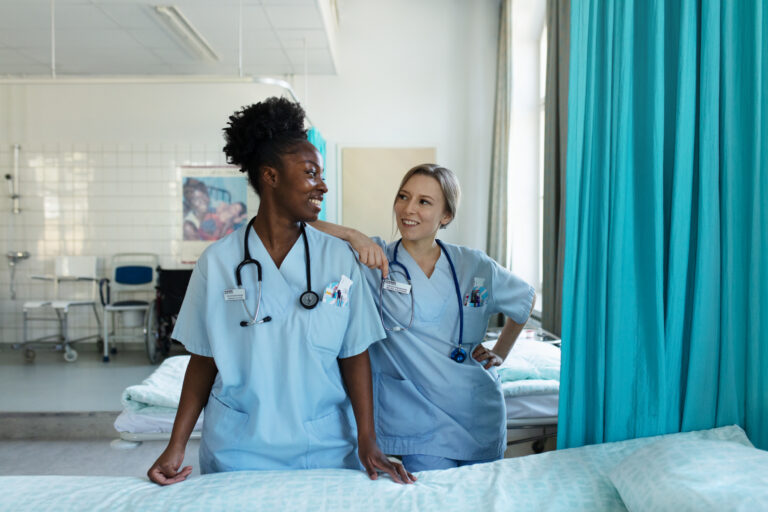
{"x":322,"y":186}
{"x":410,"y":206}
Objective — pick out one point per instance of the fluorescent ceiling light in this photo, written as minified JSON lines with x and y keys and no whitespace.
{"x":181,"y":26}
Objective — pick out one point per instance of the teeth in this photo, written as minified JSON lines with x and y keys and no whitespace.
{"x":316,"y":202}
{"x":409,"y":222}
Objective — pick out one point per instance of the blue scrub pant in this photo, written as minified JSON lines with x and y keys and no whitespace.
{"x":417,"y":462}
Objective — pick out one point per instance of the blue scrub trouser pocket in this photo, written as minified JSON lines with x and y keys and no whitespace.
{"x":332,"y":440}
{"x":223,"y":427}
{"x":402,"y":411}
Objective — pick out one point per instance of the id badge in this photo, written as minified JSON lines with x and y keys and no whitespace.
{"x":395,"y":286}
{"x":234,"y":294}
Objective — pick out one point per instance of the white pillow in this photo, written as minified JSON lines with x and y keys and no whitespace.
{"x":530,"y":359}
{"x":679,"y":474}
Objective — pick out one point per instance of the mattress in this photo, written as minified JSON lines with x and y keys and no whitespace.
{"x":531,"y":406}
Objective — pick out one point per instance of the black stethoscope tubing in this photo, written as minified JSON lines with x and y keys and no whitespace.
{"x":308,"y":299}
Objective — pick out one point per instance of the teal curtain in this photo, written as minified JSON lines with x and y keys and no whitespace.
{"x":665,"y":286}
{"x":313,"y":135}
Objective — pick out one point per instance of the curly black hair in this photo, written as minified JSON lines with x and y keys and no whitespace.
{"x":260,"y":133}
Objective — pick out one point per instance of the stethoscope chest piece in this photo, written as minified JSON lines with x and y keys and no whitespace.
{"x":309,"y":299}
{"x":459,"y":355}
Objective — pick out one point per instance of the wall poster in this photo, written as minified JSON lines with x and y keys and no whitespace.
{"x":216,"y":201}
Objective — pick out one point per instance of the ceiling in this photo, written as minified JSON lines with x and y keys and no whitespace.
{"x":128,"y":37}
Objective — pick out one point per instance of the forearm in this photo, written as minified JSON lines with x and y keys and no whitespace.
{"x":343,"y":232}
{"x":198,"y":381}
{"x":356,"y":373}
{"x":509,"y":335}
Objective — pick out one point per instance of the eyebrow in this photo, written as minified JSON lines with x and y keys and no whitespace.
{"x":423,"y":196}
{"x":308,"y":161}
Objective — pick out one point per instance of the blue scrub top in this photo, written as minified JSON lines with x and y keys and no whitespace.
{"x":278,"y":401}
{"x":426,"y":403}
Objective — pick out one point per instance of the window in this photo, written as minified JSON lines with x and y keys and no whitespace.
{"x":526,"y":163}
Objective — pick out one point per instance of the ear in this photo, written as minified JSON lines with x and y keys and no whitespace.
{"x":269,"y":176}
{"x":445,"y":220}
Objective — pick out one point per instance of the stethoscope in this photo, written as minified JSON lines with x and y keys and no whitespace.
{"x":308,"y":299}
{"x":458,"y":354}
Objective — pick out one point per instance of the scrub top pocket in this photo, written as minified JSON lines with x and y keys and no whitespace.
{"x":327,"y":325}
{"x":331,"y":440}
{"x":222,"y":427}
{"x":490,"y":417}
{"x":475,"y":324}
{"x":401,"y":410}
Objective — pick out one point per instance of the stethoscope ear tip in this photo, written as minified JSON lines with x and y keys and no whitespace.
{"x":244,"y":324}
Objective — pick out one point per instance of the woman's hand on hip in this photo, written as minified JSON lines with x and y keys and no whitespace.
{"x":165,"y":470}
{"x":486,"y":357}
{"x":374,"y":460}
{"x":371,"y":255}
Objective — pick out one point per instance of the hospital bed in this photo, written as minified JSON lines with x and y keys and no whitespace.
{"x":530,"y":378}
{"x":149,"y":408}
{"x":530,"y":382}
{"x":714,"y":469}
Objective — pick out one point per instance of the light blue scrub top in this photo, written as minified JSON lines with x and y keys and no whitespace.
{"x":426,"y":403}
{"x":278,"y":401}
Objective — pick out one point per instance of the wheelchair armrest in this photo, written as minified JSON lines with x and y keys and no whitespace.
{"x":44,"y":277}
{"x":75,"y":278}
{"x":104,"y":283}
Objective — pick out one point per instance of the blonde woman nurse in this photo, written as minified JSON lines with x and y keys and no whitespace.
{"x":437,"y":397}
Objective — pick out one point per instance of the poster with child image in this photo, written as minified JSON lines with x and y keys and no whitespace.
{"x":214,"y":204}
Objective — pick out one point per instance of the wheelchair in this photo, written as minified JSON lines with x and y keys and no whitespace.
{"x":170,"y":289}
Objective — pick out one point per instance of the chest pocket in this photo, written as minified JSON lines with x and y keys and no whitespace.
{"x":327,"y":326}
{"x":475,"y":323}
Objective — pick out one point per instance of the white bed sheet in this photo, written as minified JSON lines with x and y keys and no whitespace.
{"x":531,"y":406}
{"x":574,"y":479}
{"x":138,"y":423}
{"x":531,"y":398}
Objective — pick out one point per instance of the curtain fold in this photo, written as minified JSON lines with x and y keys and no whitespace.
{"x":665,"y":287}
{"x":555,"y":144}
{"x":498,"y":244}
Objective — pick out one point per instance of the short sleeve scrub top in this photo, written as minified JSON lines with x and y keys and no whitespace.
{"x":278,"y":401}
{"x":425,"y":402}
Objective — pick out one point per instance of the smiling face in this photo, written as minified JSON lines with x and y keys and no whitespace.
{"x":420,"y":208}
{"x":298,"y":186}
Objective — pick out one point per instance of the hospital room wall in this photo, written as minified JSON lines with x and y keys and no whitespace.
{"x":99,"y":163}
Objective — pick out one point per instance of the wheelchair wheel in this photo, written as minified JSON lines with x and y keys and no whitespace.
{"x":151,"y":333}
{"x":70,"y":355}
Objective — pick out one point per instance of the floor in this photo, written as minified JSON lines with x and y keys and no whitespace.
{"x":85,"y":458}
{"x":50,"y":384}
{"x":51,"y":419}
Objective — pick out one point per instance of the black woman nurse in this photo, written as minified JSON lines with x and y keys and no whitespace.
{"x":278,"y":319}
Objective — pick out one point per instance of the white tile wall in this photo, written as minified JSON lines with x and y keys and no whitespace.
{"x":85,"y":199}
